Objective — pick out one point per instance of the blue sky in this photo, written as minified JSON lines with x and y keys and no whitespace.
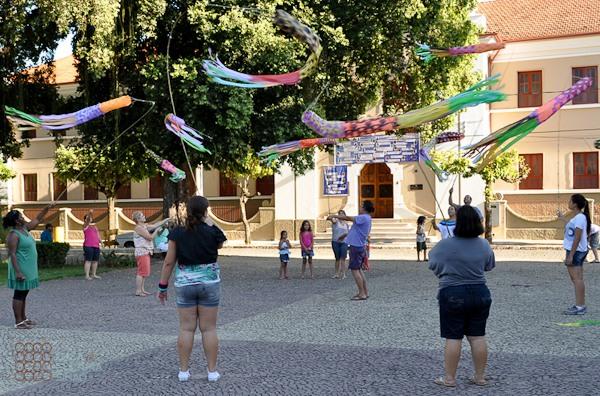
{"x":64,"y":48}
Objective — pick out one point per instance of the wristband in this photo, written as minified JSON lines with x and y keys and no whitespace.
{"x":162,"y":287}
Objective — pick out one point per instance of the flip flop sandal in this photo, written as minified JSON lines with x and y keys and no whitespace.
{"x":30,"y":322}
{"x":441,"y":381}
{"x":478,"y":383}
{"x":357,"y":298}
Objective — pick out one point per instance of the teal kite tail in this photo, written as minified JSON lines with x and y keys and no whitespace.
{"x":11,"y":111}
{"x":423,"y":52}
{"x":491,"y":80}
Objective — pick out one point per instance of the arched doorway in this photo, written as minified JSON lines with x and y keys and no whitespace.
{"x":376,"y":185}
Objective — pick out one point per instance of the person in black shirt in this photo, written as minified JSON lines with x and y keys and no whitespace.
{"x":197,"y":283}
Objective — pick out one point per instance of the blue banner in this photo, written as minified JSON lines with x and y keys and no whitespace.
{"x":335,"y":180}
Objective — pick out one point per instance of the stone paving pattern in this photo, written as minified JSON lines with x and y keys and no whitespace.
{"x":304,"y":337}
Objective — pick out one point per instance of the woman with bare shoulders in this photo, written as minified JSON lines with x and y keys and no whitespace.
{"x":22,"y":257}
{"x":143,"y":237}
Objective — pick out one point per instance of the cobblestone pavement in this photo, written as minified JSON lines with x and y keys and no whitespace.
{"x":305,"y":337}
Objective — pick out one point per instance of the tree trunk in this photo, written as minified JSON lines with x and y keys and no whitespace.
{"x":488,"y":212}
{"x":244,"y":194}
{"x":174,"y":200}
{"x":112,"y":219}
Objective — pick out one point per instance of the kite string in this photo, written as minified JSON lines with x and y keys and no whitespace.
{"x":152,"y":104}
{"x":187,"y":158}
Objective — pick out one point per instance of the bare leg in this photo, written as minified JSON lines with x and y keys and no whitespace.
{"x":86,"y":268}
{"x":207,"y":319}
{"x":139,"y":281}
{"x":343,"y":268}
{"x":310,"y":268}
{"x":94,"y":269}
{"x":337,"y":269}
{"x":143,"y":285}
{"x":303,"y":267}
{"x":359,"y":283}
{"x":188,"y":320}
{"x":281,"y":266}
{"x":595,"y":251}
{"x":425,"y":254}
{"x":285,"y":274}
{"x":480,"y":355}
{"x":576,"y":274}
{"x":364,"y":282}
{"x":451,"y":358}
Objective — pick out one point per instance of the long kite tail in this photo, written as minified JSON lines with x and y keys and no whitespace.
{"x":427,"y":53}
{"x":177,"y":174}
{"x":488,"y":148}
{"x":219,"y":73}
{"x":439,"y":173}
{"x":275,"y":151}
{"x":475,"y":95}
{"x":70,"y":120}
{"x":188,"y":134}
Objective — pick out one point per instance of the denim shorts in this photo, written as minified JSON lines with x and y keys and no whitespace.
{"x":204,"y":294}
{"x":578,"y":258}
{"x":91,"y":253}
{"x":307,"y":253}
{"x":357,"y":257}
{"x":340,"y":250}
{"x":284,"y":258}
{"x":421,"y":246}
{"x":464,"y":310}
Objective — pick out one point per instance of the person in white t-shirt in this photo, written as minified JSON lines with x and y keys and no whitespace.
{"x":595,"y":241}
{"x":575,"y":243}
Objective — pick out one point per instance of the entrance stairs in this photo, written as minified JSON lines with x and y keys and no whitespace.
{"x":395,"y":232}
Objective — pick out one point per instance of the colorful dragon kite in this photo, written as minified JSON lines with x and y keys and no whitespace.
{"x":426,"y":53}
{"x":219,"y":73}
{"x":488,"y":148}
{"x":275,"y":151}
{"x":426,"y":149}
{"x":346,"y":129}
{"x":177,"y":174}
{"x":186,"y":133}
{"x":66,"y":121}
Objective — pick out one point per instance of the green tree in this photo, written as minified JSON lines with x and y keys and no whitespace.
{"x":28,"y":35}
{"x":508,"y":167}
{"x":5,"y":172}
{"x":110,"y":41}
{"x":93,"y":165}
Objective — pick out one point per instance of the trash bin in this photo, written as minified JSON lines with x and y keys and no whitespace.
{"x":59,"y":234}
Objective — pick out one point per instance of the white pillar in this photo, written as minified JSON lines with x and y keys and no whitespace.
{"x":351,"y":207}
{"x":400,"y":209}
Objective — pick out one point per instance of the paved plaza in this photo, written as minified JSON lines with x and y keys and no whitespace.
{"x":306,"y":337}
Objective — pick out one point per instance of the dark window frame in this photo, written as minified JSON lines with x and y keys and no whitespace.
{"x":535,"y":180}
{"x":585,"y":180}
{"x":530,"y":99}
{"x":57,"y":191}
{"x":30,"y":194}
{"x":227,"y":187}
{"x":266,"y":185}
{"x":155,"y":187}
{"x":590,"y":96}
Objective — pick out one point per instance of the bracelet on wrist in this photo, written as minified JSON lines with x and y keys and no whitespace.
{"x":162,"y":287}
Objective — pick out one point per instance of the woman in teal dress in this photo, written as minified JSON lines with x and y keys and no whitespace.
{"x":22,"y":261}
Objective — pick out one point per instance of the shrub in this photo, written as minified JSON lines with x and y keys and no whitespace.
{"x":52,"y":254}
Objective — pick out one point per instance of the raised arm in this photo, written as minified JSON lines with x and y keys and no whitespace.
{"x":38,"y":219}
{"x":143,"y":232}
{"x":87,"y":219}
{"x":450,"y":202}
{"x":341,"y":217}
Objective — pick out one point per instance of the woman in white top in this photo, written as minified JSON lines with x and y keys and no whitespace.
{"x":576,"y":245}
{"x":143,"y":236}
{"x":339,"y":230}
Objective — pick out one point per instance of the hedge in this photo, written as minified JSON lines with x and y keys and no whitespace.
{"x":52,"y":254}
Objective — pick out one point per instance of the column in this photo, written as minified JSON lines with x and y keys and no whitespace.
{"x":400,"y":209}
{"x":351,"y":207}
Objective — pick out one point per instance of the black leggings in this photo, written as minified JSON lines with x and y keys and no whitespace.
{"x":20,"y":295}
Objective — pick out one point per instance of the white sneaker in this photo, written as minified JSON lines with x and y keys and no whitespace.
{"x":184,"y":376}
{"x":214,"y":376}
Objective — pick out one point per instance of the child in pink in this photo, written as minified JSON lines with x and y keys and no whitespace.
{"x":306,"y":244}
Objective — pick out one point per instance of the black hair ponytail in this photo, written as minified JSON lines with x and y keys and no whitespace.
{"x":582,"y":204}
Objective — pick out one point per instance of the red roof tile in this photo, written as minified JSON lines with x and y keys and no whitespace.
{"x":522,"y":20}
{"x":64,"y":70}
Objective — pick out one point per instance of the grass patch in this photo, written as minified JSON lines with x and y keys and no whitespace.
{"x":69,"y":271}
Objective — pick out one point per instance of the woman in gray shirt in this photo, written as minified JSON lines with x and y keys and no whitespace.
{"x":339,"y":230}
{"x":463,"y":296}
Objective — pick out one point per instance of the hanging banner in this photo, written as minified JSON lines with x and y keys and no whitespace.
{"x":378,"y":148}
{"x":335,"y":180}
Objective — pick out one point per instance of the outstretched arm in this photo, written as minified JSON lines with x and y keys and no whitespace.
{"x":450,"y":201}
{"x":341,"y":217}
{"x":38,"y":219}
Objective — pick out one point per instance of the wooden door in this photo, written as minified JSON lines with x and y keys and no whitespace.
{"x":376,"y":185}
